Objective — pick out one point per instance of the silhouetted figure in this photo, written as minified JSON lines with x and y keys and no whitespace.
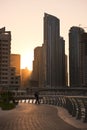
{"x":37,"y":98}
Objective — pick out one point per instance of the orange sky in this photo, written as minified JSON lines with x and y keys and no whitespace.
{"x":24,"y":18}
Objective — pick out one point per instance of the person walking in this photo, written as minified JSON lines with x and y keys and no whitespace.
{"x":36,"y":94}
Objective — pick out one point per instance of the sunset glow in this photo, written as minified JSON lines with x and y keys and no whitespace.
{"x":26,"y":61}
{"x":25,"y":21}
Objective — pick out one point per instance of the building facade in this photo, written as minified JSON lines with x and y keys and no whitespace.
{"x":5,"y":48}
{"x":15,"y":80}
{"x":15,"y":75}
{"x":15,"y":62}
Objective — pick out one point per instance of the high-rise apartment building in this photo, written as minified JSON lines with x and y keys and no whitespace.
{"x":75,"y":47}
{"x":5,"y":48}
{"x":55,"y":52}
{"x":9,"y":76}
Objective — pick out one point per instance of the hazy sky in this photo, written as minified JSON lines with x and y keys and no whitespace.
{"x":24,"y":18}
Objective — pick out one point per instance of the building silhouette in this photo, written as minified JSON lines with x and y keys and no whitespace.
{"x":77,"y":44}
{"x":5,"y":49}
{"x":54,"y":46}
{"x":25,"y":78}
{"x":37,"y":65}
{"x":66,"y":70}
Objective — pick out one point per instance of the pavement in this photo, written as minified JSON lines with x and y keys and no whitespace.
{"x":64,"y":115}
{"x":28,"y":116}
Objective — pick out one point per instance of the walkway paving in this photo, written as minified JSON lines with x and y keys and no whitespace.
{"x":64,"y":115}
{"x":33,"y":117}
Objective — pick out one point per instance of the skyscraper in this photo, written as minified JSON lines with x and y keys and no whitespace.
{"x":83,"y":58}
{"x":5,"y":48}
{"x":55,"y":52}
{"x":75,"y":56}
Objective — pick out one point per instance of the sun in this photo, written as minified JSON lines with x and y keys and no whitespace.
{"x":26,"y":61}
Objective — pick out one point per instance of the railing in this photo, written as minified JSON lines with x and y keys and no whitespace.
{"x":75,"y":105}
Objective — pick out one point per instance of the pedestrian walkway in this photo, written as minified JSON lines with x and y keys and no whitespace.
{"x":64,"y":115}
{"x":34,"y":117}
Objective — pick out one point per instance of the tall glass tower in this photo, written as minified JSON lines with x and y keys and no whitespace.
{"x":54,"y":48}
{"x":75,"y":56}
